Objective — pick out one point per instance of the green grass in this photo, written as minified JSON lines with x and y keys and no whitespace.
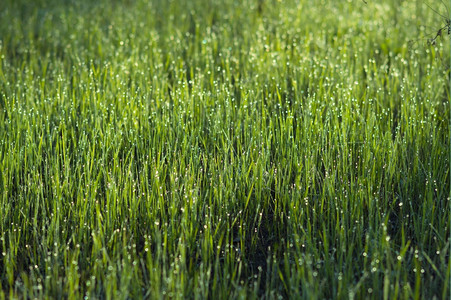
{"x":223,"y":149}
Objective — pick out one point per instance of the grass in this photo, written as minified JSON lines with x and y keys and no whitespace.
{"x":223,"y":149}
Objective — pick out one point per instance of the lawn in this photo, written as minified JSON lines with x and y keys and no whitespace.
{"x":224,"y":149}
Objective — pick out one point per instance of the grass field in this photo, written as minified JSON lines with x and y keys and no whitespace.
{"x":224,"y":149}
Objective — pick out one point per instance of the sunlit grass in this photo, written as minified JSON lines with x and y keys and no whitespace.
{"x":223,"y":149}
